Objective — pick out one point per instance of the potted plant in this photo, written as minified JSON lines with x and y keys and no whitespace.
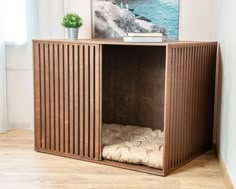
{"x":72,"y":22}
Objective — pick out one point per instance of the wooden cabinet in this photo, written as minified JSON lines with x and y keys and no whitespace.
{"x":78,"y":85}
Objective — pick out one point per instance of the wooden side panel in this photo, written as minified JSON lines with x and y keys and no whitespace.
{"x":189,"y":102}
{"x":37,"y":93}
{"x":67,"y":99}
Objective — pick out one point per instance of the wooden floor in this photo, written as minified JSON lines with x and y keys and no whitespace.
{"x":22,"y":167}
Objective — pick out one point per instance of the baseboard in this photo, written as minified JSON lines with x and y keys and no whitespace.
{"x":227,"y":179}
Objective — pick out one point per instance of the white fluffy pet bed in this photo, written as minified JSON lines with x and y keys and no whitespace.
{"x":133,"y":144}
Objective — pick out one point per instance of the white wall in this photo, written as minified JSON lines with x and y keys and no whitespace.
{"x":50,"y":14}
{"x":225,"y":34}
{"x":197,"y":20}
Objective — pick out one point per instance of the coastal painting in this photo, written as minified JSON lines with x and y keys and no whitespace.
{"x":115,"y":18}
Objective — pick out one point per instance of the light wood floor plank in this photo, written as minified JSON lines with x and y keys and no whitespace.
{"x":23,"y":168}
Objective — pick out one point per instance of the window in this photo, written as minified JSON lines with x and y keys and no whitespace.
{"x":14,"y":21}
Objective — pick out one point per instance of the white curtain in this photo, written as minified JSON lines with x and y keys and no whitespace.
{"x":9,"y":36}
{"x":43,"y":20}
{"x":3,"y":111}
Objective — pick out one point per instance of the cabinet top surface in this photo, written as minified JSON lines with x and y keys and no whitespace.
{"x":118,"y":42}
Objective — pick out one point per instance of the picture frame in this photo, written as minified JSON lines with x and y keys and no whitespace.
{"x":113,"y":19}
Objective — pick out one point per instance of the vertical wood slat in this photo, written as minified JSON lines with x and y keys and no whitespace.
{"x":98,"y":102}
{"x":71,"y":99}
{"x":179,"y":87}
{"x":196,"y":79}
{"x":51,"y":97}
{"x":205,"y":79}
{"x":203,"y":53}
{"x":175,"y":78}
{"x":206,"y":86}
{"x":171,"y":130}
{"x":37,"y":92}
{"x":91,"y":100}
{"x":189,"y":95}
{"x":86,"y":101}
{"x":81,"y":98}
{"x":182,"y":107}
{"x":42,"y":97}
{"x":76,"y":99}
{"x":66,"y":99}
{"x":185,"y":111}
{"x":57,"y":100}
{"x":196,"y":125}
{"x":61,"y":85}
{"x":199,"y":133}
{"x":47,"y":96}
{"x":166,"y":111}
{"x":191,"y":108}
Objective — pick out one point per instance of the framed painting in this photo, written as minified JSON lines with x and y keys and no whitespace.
{"x":115,"y":18}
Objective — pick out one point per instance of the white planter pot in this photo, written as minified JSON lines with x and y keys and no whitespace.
{"x":72,"y":33}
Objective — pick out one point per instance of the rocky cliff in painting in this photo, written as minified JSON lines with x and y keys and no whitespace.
{"x":113,"y":21}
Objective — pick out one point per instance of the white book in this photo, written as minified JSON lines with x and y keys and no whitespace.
{"x":155,"y":34}
{"x":143,"y":39}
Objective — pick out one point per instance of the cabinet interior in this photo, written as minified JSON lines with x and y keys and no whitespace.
{"x":133,"y":85}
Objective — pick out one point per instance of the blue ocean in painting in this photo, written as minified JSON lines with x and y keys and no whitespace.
{"x":164,"y":13}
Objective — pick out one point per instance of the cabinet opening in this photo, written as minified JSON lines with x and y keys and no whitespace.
{"x":133,"y":91}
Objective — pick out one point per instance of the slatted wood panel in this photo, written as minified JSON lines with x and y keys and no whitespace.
{"x":67,"y":111}
{"x":189,"y":102}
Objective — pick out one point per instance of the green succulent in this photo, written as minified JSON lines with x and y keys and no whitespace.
{"x":72,"y":20}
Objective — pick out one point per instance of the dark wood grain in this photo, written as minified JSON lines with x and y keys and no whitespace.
{"x":66,"y":98}
{"x":52,"y":97}
{"x":42,"y":97}
{"x":81,"y":98}
{"x":71,"y":99}
{"x":91,"y":102}
{"x":76,"y":99}
{"x":98,"y":102}
{"x":37,"y":101}
{"x":61,"y":83}
{"x":47,"y":95}
{"x":57,"y":95}
{"x":86,"y":100}
{"x":132,"y":94}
